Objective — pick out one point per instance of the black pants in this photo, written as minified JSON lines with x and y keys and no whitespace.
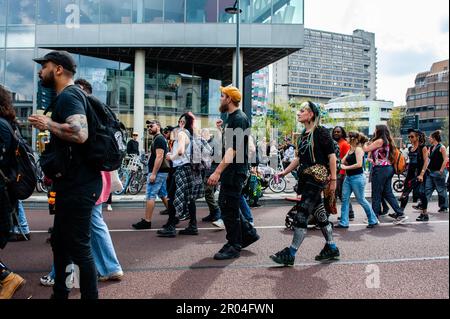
{"x":413,"y":185}
{"x":311,"y":204}
{"x":191,"y":207}
{"x":70,"y":241}
{"x":229,"y":199}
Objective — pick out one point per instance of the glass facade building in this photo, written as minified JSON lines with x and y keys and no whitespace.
{"x":187,"y":47}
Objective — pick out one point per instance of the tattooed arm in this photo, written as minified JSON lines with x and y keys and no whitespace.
{"x":74,"y":130}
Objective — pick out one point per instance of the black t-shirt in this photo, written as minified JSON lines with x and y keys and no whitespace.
{"x":133,"y":147}
{"x":233,"y":136}
{"x":81,"y":177}
{"x":159,"y":142}
{"x":322,"y":146}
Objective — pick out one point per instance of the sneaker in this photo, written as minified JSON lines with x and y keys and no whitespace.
{"x":219,"y":223}
{"x":247,"y":241}
{"x":339,"y":226}
{"x":228,"y":253}
{"x":109,"y":208}
{"x":417,"y":207}
{"x":184,"y":216}
{"x":423,"y":218}
{"x":14,"y":237}
{"x":393,"y":215}
{"x":351,"y":217}
{"x":443,"y":211}
{"x":252,"y":223}
{"x":10,"y":285}
{"x":401,"y":219}
{"x":168,"y":231}
{"x":143,"y":224}
{"x":164,"y":212}
{"x":208,"y":219}
{"x":384,"y":212}
{"x":328,"y":254}
{"x":371,"y":226}
{"x":190,"y":230}
{"x":284,"y":257}
{"x":47,"y":281}
{"x":224,"y":248}
{"x":117,"y":276}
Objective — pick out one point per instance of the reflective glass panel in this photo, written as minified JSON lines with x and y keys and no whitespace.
{"x":260,"y":11}
{"x":3,"y":9}
{"x":174,"y":11}
{"x":287,"y":11}
{"x":2,"y":37}
{"x":147,"y":11}
{"x":81,"y":11}
{"x":2,"y":66}
{"x":223,"y":16}
{"x":19,"y":74}
{"x":22,"y":12}
{"x":20,"y":37}
{"x":115,"y":11}
{"x":201,"y":11}
{"x":48,"y":11}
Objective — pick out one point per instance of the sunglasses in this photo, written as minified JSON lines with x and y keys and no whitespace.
{"x":411,"y":136}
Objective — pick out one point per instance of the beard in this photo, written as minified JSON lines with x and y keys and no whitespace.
{"x":48,"y":81}
{"x":223,"y":108}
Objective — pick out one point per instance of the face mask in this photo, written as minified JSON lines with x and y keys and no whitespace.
{"x":45,"y":97}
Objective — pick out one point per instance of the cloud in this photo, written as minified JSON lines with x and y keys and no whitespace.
{"x":400,"y":63}
{"x":444,"y":25}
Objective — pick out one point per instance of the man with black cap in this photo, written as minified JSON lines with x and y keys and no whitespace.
{"x":77,"y":186}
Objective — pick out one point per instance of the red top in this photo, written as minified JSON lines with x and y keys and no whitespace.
{"x":344,"y":147}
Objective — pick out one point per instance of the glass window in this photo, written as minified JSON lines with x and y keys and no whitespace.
{"x":19,"y":74}
{"x":115,"y":11}
{"x":20,"y":37}
{"x":171,"y":90}
{"x":82,"y":11}
{"x":48,"y":11}
{"x":2,"y":37}
{"x":2,"y":66}
{"x":22,"y":12}
{"x":288,"y":12}
{"x":201,"y":11}
{"x":223,"y":16}
{"x":260,"y":11}
{"x":2,"y":9}
{"x":174,"y":11}
{"x":145,"y":11}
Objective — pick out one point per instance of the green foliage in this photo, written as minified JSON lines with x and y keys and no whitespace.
{"x":395,"y":123}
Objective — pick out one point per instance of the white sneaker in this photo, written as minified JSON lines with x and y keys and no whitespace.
{"x":109,"y":208}
{"x":117,"y":276}
{"x":219,"y":223}
{"x":47,"y":281}
{"x":253,"y":224}
{"x":401,"y":220}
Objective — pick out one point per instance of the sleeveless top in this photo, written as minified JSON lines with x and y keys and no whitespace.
{"x":351,"y":160}
{"x":381,"y":156}
{"x":436,"y":158}
{"x":186,"y":158}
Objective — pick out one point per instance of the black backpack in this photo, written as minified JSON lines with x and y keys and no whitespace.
{"x":22,"y":176}
{"x":106,"y":145}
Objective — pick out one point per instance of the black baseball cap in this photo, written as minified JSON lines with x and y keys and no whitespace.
{"x":153,"y":122}
{"x":62,"y":58}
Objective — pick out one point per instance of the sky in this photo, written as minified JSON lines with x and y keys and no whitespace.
{"x":409,"y":35}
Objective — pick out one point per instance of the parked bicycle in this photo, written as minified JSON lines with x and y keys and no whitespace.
{"x":133,"y":174}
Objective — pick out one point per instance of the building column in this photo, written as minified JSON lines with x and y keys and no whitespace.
{"x":241,"y":70}
{"x":139,"y":91}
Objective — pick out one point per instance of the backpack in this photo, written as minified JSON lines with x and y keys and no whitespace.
{"x":106,"y":144}
{"x":22,"y":178}
{"x":337,"y":151}
{"x":201,"y":154}
{"x":399,"y":161}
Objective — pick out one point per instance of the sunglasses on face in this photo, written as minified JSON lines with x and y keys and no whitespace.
{"x":411,"y":137}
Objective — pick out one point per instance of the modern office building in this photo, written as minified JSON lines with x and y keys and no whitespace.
{"x":147,"y":58}
{"x":429,"y":97}
{"x":260,"y":92}
{"x":363,"y":113}
{"x":330,"y":65}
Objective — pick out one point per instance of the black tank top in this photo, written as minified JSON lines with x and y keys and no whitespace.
{"x":351,"y":160}
{"x":436,"y":158}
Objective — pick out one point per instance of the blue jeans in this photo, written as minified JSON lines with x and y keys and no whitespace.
{"x":355,"y":184}
{"x":382,"y":188}
{"x":245,"y":209}
{"x":436,"y":181}
{"x":105,"y":258}
{"x":23,"y":223}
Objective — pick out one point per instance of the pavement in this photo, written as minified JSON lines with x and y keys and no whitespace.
{"x":409,"y":261}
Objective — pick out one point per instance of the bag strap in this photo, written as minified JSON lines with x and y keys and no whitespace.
{"x":9,"y":126}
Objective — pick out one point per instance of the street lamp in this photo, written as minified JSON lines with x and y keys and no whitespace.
{"x":274,"y":89}
{"x":235,"y":9}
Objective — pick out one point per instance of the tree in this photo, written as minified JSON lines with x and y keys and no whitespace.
{"x":395,"y":122}
{"x":445,"y":127}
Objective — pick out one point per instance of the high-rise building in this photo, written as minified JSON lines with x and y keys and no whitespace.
{"x":429,"y":97}
{"x":260,"y":92}
{"x":329,"y":66}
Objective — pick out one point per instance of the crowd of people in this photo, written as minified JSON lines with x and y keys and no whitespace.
{"x":187,"y":163}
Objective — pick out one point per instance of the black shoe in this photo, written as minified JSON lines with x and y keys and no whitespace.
{"x":184,"y":216}
{"x":13,"y":237}
{"x":328,"y":254}
{"x":168,"y":231}
{"x":164,"y":212}
{"x":224,"y":248}
{"x":284,"y":257}
{"x":209,"y":219}
{"x":351,"y":216}
{"x":443,"y":211}
{"x":227,"y":253}
{"x":143,"y":224}
{"x":371,"y":226}
{"x":423,"y":218}
{"x":417,"y":207}
{"x":247,"y":241}
{"x":393,"y":215}
{"x":339,"y":226}
{"x":190,"y":230}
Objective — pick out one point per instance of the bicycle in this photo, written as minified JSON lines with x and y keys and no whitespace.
{"x":132,"y":175}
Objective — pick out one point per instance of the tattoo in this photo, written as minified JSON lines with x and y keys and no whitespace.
{"x":75,"y":129}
